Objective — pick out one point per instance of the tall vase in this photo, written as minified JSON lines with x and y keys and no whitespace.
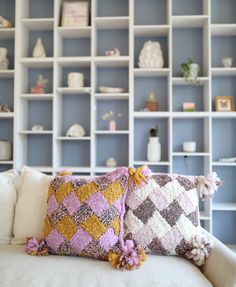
{"x":154,"y":149}
{"x":5,"y":150}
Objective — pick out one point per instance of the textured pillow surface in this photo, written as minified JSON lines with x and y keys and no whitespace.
{"x":163,"y":215}
{"x":31,"y":207}
{"x":7,"y":205}
{"x":85,"y":217}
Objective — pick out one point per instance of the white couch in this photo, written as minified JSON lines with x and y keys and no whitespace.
{"x":17,"y":269}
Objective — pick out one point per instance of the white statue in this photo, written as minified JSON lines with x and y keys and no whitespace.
{"x":151,"y":55}
{"x":4,"y":63}
{"x":75,"y":130}
{"x":4,"y":23}
{"x":39,"y":51}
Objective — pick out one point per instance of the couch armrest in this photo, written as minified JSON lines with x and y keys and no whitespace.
{"x":220,"y":267}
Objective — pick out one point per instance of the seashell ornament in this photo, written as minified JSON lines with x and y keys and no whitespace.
{"x":75,"y":130}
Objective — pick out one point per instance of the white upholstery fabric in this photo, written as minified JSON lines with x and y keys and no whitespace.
{"x":7,"y":205}
{"x":31,"y":205}
{"x":22,"y":270}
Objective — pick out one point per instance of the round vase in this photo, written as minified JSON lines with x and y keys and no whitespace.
{"x":75,"y":80}
{"x":111,"y":162}
{"x":5,"y":150}
{"x":154,"y":149}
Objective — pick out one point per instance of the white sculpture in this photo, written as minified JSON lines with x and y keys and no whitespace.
{"x":4,"y":23}
{"x":39,"y":51}
{"x":37,"y":128}
{"x":75,"y":130}
{"x":75,"y":80}
{"x":151,"y":55}
{"x":4,"y":63}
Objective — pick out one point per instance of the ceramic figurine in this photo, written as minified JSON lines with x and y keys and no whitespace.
{"x":4,"y":63}
{"x":5,"y":150}
{"x":111,"y":162}
{"x":4,"y":108}
{"x":154,"y":146}
{"x":189,"y":146}
{"x":37,"y":128}
{"x":39,"y":51}
{"x":151,"y":104}
{"x":151,"y":55}
{"x":4,"y":23}
{"x":115,"y":52}
{"x":227,"y":62}
{"x":75,"y":130}
{"x":39,"y":88}
{"x":110,"y":90}
{"x":75,"y":80}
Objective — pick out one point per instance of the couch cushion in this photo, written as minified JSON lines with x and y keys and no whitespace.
{"x":21,"y":270}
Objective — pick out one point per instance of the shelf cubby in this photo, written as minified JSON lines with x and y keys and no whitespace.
{"x":139,"y":42}
{"x":7,"y":92}
{"x":145,"y":85}
{"x":112,"y":8}
{"x":227,"y":192}
{"x":113,"y":77}
{"x":156,"y":14}
{"x":224,"y":232}
{"x":191,"y":165}
{"x":73,"y":109}
{"x":142,"y":133}
{"x":64,"y":72}
{"x":223,"y":86}
{"x":120,"y":110}
{"x":223,"y":129}
{"x":39,"y":150}
{"x":47,"y":39}
{"x":39,"y":113}
{"x":75,"y":47}
{"x":118,"y":38}
{"x":222,"y":46}
{"x":7,"y":8}
{"x":75,"y":154}
{"x":193,"y":129}
{"x":6,"y":130}
{"x":188,"y":7}
{"x":193,"y":37}
{"x":191,"y":93}
{"x":112,"y":145}
{"x":9,"y":45}
{"x":35,"y":9}
{"x":223,"y":12}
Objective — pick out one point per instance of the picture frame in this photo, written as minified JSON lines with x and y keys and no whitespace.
{"x":75,"y":14}
{"x":224,"y":103}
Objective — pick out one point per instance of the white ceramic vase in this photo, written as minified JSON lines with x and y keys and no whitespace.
{"x":154,"y":149}
{"x":194,"y":69}
{"x":39,"y":51}
{"x":111,"y":162}
{"x":75,"y":80}
{"x":5,"y":150}
{"x":4,"y":63}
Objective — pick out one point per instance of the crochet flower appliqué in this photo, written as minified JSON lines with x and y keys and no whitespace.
{"x":201,"y":248}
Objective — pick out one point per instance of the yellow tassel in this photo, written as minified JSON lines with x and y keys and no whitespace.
{"x":113,"y":258}
{"x":64,"y":173}
{"x":136,"y":176}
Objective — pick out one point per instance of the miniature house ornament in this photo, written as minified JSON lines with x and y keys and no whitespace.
{"x":4,"y":63}
{"x":39,"y":88}
{"x":39,"y":51}
{"x":154,"y":146}
{"x":151,"y":56}
{"x":151,"y":104}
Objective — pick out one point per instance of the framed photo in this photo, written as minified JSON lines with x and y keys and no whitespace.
{"x":75,"y":14}
{"x":224,"y":103}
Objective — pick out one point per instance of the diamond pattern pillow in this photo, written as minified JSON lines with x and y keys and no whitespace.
{"x":85,"y":217}
{"x":163,"y":216}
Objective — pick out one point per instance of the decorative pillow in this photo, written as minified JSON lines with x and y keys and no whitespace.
{"x":85,"y":217}
{"x":31,"y":207}
{"x":163,"y":215}
{"x":7,"y":205}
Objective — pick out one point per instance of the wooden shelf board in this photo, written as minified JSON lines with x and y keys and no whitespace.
{"x":223,"y":115}
{"x":159,"y":163}
{"x":38,"y":62}
{"x":7,"y":73}
{"x":37,"y":97}
{"x":67,"y":91}
{"x":29,"y":132}
{"x":7,"y":33}
{"x":7,"y":115}
{"x":223,"y":29}
{"x":117,"y":132}
{"x":220,"y":163}
{"x":190,"y":21}
{"x":147,"y":115}
{"x":151,"y":30}
{"x":112,"y":22}
{"x":191,"y":154}
{"x":220,"y":71}
{"x":65,"y":138}
{"x":181,"y":81}
{"x":190,"y":115}
{"x":38,"y":24}
{"x":110,"y":96}
{"x":224,"y":206}
{"x":74,"y":32}
{"x":6,"y":162}
{"x":107,"y":61}
{"x":74,"y":61}
{"x":75,"y":169}
{"x":140,"y":72}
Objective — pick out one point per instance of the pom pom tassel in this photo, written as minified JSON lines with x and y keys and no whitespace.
{"x":207,"y":186}
{"x":130,"y":258}
{"x":35,"y":247}
{"x":138,"y":177}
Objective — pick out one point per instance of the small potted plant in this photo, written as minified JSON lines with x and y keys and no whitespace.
{"x":190,"y":72}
